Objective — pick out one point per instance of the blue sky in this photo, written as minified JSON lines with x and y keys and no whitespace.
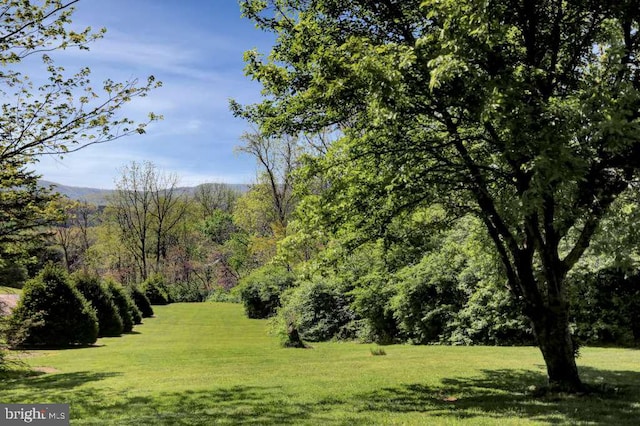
{"x":195,"y":48}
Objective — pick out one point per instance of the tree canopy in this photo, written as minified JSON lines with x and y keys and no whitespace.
{"x":524,"y":113}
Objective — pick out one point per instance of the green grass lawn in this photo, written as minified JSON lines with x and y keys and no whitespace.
{"x":207,"y":364}
{"x":9,"y":290}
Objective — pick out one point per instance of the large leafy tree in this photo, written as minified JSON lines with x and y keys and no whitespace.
{"x":51,"y":114}
{"x":522,"y":112}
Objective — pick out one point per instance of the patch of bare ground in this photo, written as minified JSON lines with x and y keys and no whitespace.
{"x":8,"y":302}
{"x":46,"y":369}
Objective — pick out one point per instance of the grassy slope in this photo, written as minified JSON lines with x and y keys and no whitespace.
{"x":9,"y":290}
{"x":207,"y":364}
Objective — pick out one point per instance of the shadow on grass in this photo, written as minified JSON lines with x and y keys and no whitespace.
{"x":99,"y":405}
{"x":36,"y":381}
{"x":502,"y":394}
{"x":40,"y":348}
{"x":496,"y":394}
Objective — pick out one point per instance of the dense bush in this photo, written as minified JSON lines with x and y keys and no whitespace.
{"x":141,"y":301}
{"x":452,"y":293}
{"x":109,"y":319}
{"x":155,"y":289}
{"x":126,"y":307}
{"x":372,"y":303}
{"x":606,"y":306}
{"x":187,"y":292}
{"x":51,"y":312}
{"x":318,"y":310}
{"x":490,"y":316}
{"x":425,"y":304}
{"x":260,"y":291}
{"x":221,"y":294}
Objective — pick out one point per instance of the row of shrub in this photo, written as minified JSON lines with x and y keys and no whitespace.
{"x":57,"y":309}
{"x":421,"y":305}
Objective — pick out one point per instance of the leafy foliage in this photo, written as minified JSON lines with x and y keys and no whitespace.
{"x":13,"y":272}
{"x":606,"y":306}
{"x":490,"y":317}
{"x":51,"y":312}
{"x":24,"y":205}
{"x":318,"y":310}
{"x":372,"y":303}
{"x":223,"y":295}
{"x":189,"y":291}
{"x":219,"y":226}
{"x":261,"y":290}
{"x":426,"y":302}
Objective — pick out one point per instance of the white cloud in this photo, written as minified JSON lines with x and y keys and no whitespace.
{"x":199,"y":61}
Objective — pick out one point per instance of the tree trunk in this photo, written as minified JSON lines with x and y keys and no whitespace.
{"x":551,"y":327}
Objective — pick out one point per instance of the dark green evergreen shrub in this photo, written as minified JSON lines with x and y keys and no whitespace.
{"x":123,"y":302}
{"x":155,"y":289}
{"x":260,"y":291}
{"x":52,"y":312}
{"x":109,"y":319}
{"x":141,"y":301}
{"x":136,"y":315}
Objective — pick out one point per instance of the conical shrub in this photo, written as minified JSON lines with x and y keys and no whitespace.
{"x":109,"y":319}
{"x":154,"y":288}
{"x":141,"y":301}
{"x":123,"y":302}
{"x":52,"y":312}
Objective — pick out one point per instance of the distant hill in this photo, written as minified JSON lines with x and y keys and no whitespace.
{"x":90,"y":195}
{"x":99,"y":197}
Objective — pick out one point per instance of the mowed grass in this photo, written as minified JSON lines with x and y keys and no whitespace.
{"x":9,"y":290}
{"x":207,"y":364}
